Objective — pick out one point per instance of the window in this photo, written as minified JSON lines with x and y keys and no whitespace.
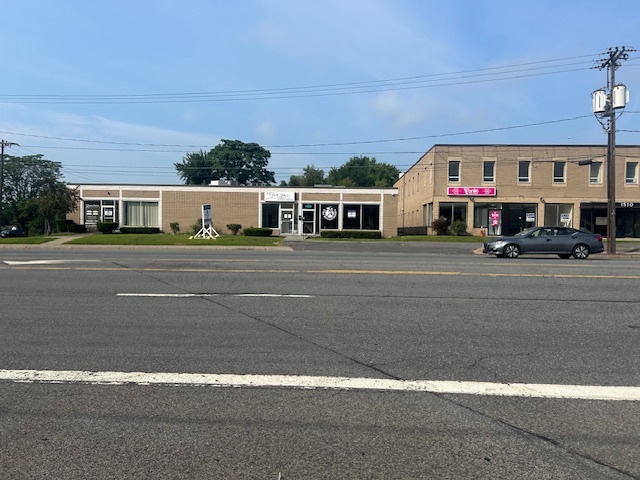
{"x":595,"y":173}
{"x":454,"y":212}
{"x":632,"y":173}
{"x":488,"y":171}
{"x":141,"y":214}
{"x":454,"y":170}
{"x":524,"y":171}
{"x":361,"y":217}
{"x":270,"y":215}
{"x":329,"y":217}
{"x":559,"y":171}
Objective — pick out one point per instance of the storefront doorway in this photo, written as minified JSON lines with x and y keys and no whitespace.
{"x":308,"y":220}
{"x":287,"y":223}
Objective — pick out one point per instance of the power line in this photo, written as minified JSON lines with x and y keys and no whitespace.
{"x":302,"y":145}
{"x":484,"y":75}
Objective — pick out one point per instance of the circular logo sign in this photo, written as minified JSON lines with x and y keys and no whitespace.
{"x":329,"y":213}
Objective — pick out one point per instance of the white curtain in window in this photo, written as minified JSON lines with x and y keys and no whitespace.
{"x":141,"y":214}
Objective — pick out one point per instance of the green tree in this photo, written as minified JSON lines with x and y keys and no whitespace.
{"x":33,"y":195}
{"x":196,"y":168}
{"x":311,"y":176}
{"x":55,"y":200}
{"x":245,"y":163}
{"x":362,"y":171}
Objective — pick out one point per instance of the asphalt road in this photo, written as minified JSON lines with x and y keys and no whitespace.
{"x":317,"y":362}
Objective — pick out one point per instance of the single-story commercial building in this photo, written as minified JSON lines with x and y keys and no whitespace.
{"x":287,"y":210}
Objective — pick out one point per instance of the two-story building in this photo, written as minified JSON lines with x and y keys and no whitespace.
{"x":503,"y":189}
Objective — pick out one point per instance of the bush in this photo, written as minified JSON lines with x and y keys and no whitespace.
{"x":175,"y":227}
{"x":75,"y":228}
{"x":107,"y":227}
{"x":140,"y":230}
{"x":375,"y":234}
{"x":62,"y":226}
{"x":459,"y":228}
{"x":257,"y":232}
{"x":441,"y":226}
{"x":234,"y":227}
{"x":196,"y":226}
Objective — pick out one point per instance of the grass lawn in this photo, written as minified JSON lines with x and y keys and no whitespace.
{"x":161,"y":239}
{"x":25,"y":240}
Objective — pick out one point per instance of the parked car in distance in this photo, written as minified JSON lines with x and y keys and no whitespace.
{"x":561,"y":241}
{"x":11,"y":231}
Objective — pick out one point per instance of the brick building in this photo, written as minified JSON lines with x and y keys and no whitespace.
{"x":502,"y":189}
{"x":287,"y":210}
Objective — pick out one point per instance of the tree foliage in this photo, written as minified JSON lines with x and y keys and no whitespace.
{"x":245,"y":163}
{"x":33,"y":196}
{"x":311,"y":176}
{"x":362,"y":171}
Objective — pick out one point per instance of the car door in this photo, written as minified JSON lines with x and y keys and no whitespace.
{"x":535,"y":242}
{"x":563,"y":241}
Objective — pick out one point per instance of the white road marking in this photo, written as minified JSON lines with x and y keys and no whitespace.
{"x":44,"y":262}
{"x":581,"y":392}
{"x":272,"y":295}
{"x":211,"y":295}
{"x":179,"y":295}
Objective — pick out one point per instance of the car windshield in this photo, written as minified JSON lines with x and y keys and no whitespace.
{"x":524,"y":233}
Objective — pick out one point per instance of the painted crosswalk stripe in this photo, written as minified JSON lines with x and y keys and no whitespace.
{"x":582,"y":392}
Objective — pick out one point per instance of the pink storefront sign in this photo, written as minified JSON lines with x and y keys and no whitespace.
{"x":472,"y":191}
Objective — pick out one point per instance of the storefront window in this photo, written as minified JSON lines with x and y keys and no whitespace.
{"x":361,"y":217}
{"x":270,"y":215}
{"x":141,"y":214}
{"x":454,"y":212}
{"x":329,"y":217}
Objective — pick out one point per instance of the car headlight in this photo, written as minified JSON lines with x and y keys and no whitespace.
{"x":498,"y":244}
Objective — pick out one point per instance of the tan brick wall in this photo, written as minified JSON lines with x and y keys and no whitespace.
{"x":389,"y":216}
{"x":357,"y":198}
{"x":140,"y":194}
{"x":320,"y":197}
{"x":185,"y":207}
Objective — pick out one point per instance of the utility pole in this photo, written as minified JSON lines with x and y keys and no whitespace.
{"x":3,"y":143}
{"x":606,"y":102}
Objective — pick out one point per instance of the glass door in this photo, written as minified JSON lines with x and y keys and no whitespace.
{"x":286,"y":221}
{"x":308,"y":222}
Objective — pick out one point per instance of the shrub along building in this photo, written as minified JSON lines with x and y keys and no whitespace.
{"x":286,"y":210}
{"x":503,"y":189}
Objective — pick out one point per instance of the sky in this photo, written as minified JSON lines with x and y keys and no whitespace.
{"x":119,"y":91}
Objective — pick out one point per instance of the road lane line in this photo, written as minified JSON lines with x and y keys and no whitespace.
{"x":180,"y":295}
{"x":530,"y":390}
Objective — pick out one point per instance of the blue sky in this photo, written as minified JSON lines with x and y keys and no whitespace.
{"x":118,"y":91}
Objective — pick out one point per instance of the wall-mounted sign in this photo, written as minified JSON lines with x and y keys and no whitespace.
{"x":565,"y":217}
{"x":530,"y":217}
{"x":472,"y":191}
{"x":279,"y":196}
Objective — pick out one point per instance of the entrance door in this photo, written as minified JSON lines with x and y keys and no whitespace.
{"x":286,"y":222}
{"x":108,"y":213}
{"x":308,"y":222}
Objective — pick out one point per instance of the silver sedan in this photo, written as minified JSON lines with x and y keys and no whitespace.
{"x":562,"y":241}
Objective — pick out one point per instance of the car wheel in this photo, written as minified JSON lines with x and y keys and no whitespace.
{"x":580,"y":251}
{"x":564,"y":255}
{"x":512,"y":251}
